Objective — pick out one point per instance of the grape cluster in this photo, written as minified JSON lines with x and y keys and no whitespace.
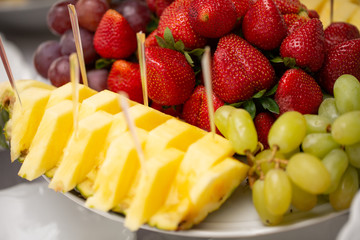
{"x":311,"y":156}
{"x":51,"y":58}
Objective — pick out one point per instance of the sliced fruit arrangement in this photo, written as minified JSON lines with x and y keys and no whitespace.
{"x":185,"y":167}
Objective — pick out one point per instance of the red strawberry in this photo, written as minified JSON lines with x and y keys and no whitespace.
{"x":294,"y":21}
{"x":263,"y":25}
{"x":306,"y":45}
{"x":288,"y":6}
{"x":176,"y":17}
{"x":114,"y":37}
{"x":170,"y":78}
{"x":263,"y":122}
{"x":338,"y":32}
{"x":298,"y":91}
{"x":213,"y":18}
{"x":239,"y":69}
{"x":342,"y":59}
{"x":241,"y":7}
{"x":158,"y":6}
{"x":151,"y":39}
{"x":313,"y":14}
{"x":195,"y":109}
{"x":125,"y":76}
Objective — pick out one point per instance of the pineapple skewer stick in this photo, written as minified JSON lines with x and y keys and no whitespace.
{"x":74,"y":76}
{"x":141,"y":52}
{"x":8,"y":69}
{"x":206,"y":69}
{"x":77,"y":38}
{"x":123,"y":99}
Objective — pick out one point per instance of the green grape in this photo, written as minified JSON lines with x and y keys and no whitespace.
{"x":259,"y":203}
{"x":317,"y":123}
{"x":277,"y":191}
{"x":349,"y":184}
{"x":302,"y":200}
{"x":319,"y":144}
{"x":353,"y":153}
{"x":346,"y":128}
{"x":221,"y":116}
{"x":266,"y":155}
{"x":336,"y":162}
{"x":290,"y":154}
{"x":347,"y":93}
{"x":288,"y":131}
{"x":327,"y":109}
{"x":241,"y":131}
{"x":309,"y":173}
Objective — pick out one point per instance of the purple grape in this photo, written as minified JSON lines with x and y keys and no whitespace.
{"x":90,"y":12}
{"x":136,"y":12}
{"x":67,"y":44}
{"x":59,"y":71}
{"x":44,"y":55}
{"x":97,"y":79}
{"x":58,"y":19}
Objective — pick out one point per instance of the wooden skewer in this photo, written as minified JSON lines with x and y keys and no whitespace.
{"x":77,"y":38}
{"x":141,"y":52}
{"x":74,"y":76}
{"x":206,"y":69}
{"x":8,"y":69}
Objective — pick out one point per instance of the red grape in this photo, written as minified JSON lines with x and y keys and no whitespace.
{"x":58,"y":18}
{"x":136,"y":13}
{"x":67,"y":43}
{"x":90,"y":12}
{"x":59,"y":71}
{"x":97,"y":79}
{"x":44,"y":55}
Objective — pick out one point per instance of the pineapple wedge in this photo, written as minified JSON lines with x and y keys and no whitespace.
{"x":147,"y":118}
{"x":314,"y":4}
{"x":81,"y":152}
{"x":153,"y":188}
{"x":343,"y":11}
{"x":25,"y":120}
{"x":65,"y":92}
{"x":117,"y":174}
{"x":50,"y":139}
{"x":173,"y":133}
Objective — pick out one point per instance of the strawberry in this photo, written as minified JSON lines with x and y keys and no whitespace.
{"x":213,"y":18}
{"x":158,"y":6}
{"x":241,"y":7}
{"x":151,"y":39}
{"x":338,"y":32}
{"x":125,"y":76}
{"x":170,"y":78}
{"x":195,"y":109}
{"x":114,"y":37}
{"x":176,"y":18}
{"x":239,"y":69}
{"x":298,"y":91}
{"x":263,"y":25}
{"x":313,"y":14}
{"x":294,"y":21}
{"x":342,"y":59}
{"x":305,"y":45}
{"x":288,"y":6}
{"x":263,"y":122}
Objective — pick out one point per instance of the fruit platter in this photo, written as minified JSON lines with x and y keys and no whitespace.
{"x":199,"y":118}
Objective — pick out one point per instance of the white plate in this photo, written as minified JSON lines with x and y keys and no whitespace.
{"x":237,"y":218}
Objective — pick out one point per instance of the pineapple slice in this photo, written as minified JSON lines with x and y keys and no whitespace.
{"x":117,"y":174}
{"x":355,"y":19}
{"x":173,"y":133}
{"x":343,"y":11}
{"x":81,"y":152}
{"x":314,"y":4}
{"x":206,"y":195}
{"x":147,"y":118}
{"x":153,"y":187}
{"x":66,"y":92}
{"x":50,"y":139}
{"x":26,"y":119}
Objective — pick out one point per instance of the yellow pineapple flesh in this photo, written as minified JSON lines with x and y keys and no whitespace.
{"x":153,"y":187}
{"x":49,"y":141}
{"x":25,"y":120}
{"x":118,"y":172}
{"x":81,"y":152}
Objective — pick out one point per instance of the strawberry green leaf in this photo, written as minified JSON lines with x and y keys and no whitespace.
{"x":269,"y":104}
{"x":250,"y":107}
{"x":198,"y":52}
{"x":179,"y":46}
{"x":161,"y":42}
{"x":189,"y":59}
{"x":290,"y":62}
{"x":277,"y":60}
{"x":259,"y":94}
{"x":168,"y":37}
{"x":272,"y":91}
{"x":104,"y":63}
{"x":4,"y":117}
